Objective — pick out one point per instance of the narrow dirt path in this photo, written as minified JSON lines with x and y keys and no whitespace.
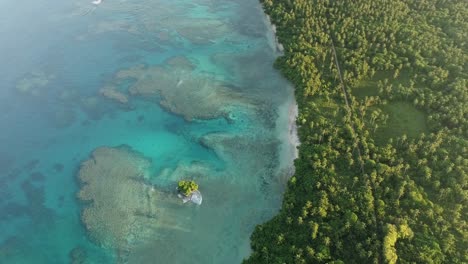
{"x":377,"y":221}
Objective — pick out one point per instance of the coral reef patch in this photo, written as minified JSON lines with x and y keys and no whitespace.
{"x":120,"y":206}
{"x":193,"y":96}
{"x":77,"y":255}
{"x":34,"y":83}
{"x":122,"y":210}
{"x":112,"y":94}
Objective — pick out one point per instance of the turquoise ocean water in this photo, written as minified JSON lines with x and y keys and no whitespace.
{"x":185,"y":87}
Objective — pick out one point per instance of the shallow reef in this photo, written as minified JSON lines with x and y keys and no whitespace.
{"x":63,"y":117}
{"x":191,"y":95}
{"x":119,"y":205}
{"x":180,"y":62}
{"x":175,"y":23}
{"x":31,"y":164}
{"x":194,"y":170}
{"x":93,"y":107}
{"x":34,"y":83}
{"x":200,"y":30}
{"x":121,"y":208}
{"x":6,"y":162}
{"x":257,"y":154}
{"x":77,"y":255}
{"x":37,"y":176}
{"x":34,"y":208}
{"x":203,"y":104}
{"x":112,"y":94}
{"x":10,"y":246}
{"x":58,"y":167}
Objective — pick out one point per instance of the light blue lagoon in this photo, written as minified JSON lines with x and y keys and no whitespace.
{"x":104,"y":108}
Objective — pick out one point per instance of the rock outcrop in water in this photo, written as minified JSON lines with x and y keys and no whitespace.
{"x":194,"y":197}
{"x":188,"y":192}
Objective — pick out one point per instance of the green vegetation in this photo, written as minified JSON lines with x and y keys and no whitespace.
{"x":382,"y":171}
{"x":187,"y":187}
{"x":402,"y":118}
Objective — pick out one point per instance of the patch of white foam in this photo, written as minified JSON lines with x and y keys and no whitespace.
{"x":96,"y":2}
{"x":180,"y":83}
{"x":273,"y":41}
{"x":293,"y":137}
{"x":288,"y":113}
{"x":195,"y":197}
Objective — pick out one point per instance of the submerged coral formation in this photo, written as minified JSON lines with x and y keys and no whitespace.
{"x":257,"y":154}
{"x":121,"y":206}
{"x":180,"y":62}
{"x":196,"y":29}
{"x":113,"y":94}
{"x":183,"y":92}
{"x":35,"y":208}
{"x":200,"y":31}
{"x":196,"y":170}
{"x":34,"y":83}
{"x":64,"y":117}
{"x":93,"y":107}
{"x":77,"y":255}
{"x":122,"y":209}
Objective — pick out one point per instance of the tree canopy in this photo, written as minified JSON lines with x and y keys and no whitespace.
{"x":372,"y":183}
{"x":187,"y":187}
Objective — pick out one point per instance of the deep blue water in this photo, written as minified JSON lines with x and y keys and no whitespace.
{"x":201,"y":101}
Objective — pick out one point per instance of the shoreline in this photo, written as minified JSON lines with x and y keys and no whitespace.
{"x":293,"y":136}
{"x":292,"y":140}
{"x":275,"y":45}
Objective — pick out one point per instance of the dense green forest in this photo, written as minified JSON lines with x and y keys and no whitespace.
{"x":382,"y":171}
